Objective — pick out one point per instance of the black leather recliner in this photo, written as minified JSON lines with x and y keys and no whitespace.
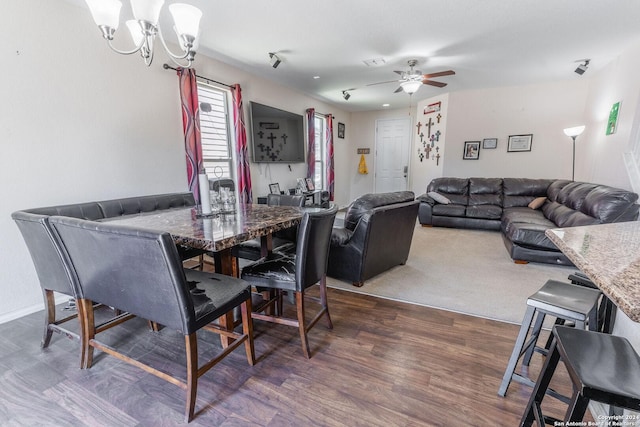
{"x":376,"y":236}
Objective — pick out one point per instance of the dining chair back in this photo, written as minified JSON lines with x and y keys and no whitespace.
{"x":285,"y":200}
{"x":281,"y":239}
{"x":52,"y":273}
{"x":140,"y":271}
{"x":297,"y":272}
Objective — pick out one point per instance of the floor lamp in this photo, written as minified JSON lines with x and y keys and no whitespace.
{"x":573,"y":133}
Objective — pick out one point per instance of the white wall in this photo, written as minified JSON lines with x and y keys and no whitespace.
{"x":80,"y":123}
{"x":542,"y":110}
{"x":425,"y":170}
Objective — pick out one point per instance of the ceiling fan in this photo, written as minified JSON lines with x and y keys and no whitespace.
{"x":411,"y":80}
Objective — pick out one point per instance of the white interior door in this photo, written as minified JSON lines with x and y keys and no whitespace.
{"x":393,"y":142}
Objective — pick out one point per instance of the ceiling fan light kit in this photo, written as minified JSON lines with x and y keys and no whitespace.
{"x":411,"y":80}
{"x":410,"y":86}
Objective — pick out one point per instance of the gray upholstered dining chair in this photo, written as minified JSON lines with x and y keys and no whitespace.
{"x":139,"y":271}
{"x":54,"y":275}
{"x":296,"y":273}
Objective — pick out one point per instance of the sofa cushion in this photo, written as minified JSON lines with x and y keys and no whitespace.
{"x":454,"y":189}
{"x":485,"y":191}
{"x":364,"y":204}
{"x":573,"y":194}
{"x":530,"y":235}
{"x":521,"y":191}
{"x":610,"y":204}
{"x":484,"y":212}
{"x":449,"y":210}
{"x":524,"y":215}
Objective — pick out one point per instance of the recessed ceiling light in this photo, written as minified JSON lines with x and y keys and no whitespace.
{"x":385,"y":105}
{"x":316,"y":77}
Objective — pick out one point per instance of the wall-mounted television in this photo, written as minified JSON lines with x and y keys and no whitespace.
{"x":276,"y":135}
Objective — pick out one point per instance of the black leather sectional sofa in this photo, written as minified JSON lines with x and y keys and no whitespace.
{"x":523,"y":209}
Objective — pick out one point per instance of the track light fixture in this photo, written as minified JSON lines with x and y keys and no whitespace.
{"x":346,"y":95}
{"x":583,"y":67}
{"x":274,"y":60}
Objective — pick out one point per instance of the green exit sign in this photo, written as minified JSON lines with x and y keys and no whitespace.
{"x":612,"y":123}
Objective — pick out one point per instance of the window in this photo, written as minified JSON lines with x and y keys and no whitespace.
{"x":217,"y":149}
{"x":320,"y":124}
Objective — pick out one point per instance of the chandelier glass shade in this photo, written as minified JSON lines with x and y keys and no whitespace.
{"x":144,"y":27}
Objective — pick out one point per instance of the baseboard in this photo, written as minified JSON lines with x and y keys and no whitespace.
{"x":60,"y":299}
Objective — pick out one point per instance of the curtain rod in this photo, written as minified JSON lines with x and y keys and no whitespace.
{"x":168,"y":67}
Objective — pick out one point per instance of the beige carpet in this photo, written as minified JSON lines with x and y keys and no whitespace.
{"x":466,"y":271}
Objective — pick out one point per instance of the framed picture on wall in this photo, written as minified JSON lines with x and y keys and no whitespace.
{"x":519,"y":143}
{"x":471,"y":150}
{"x":489,"y":143}
{"x":341,"y":130}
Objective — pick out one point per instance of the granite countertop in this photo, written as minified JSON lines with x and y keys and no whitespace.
{"x":218,"y":232}
{"x":610,"y":255}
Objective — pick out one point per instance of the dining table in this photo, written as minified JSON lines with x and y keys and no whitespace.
{"x":219,"y":233}
{"x":609,"y":254}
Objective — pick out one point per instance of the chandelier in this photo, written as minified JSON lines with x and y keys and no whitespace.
{"x":144,"y":27}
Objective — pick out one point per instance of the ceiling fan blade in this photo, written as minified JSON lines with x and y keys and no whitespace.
{"x":398,"y":72}
{"x":398,"y":90}
{"x":382,"y":83}
{"x":433,"y":83}
{"x":439,"y":74}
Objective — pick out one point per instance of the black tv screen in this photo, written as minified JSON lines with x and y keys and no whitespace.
{"x":276,"y":135}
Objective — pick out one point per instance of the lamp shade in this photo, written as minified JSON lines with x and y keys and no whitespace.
{"x":186,"y":18}
{"x":147,"y":10}
{"x":105,"y":12}
{"x":411,"y":86}
{"x":574,"y":131}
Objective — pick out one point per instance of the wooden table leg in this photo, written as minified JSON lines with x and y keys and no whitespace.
{"x":226,"y":264}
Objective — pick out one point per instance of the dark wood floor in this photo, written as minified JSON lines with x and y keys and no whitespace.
{"x":385,"y":363}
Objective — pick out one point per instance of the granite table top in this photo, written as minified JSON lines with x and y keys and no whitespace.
{"x":610,"y":255}
{"x":219,"y":232}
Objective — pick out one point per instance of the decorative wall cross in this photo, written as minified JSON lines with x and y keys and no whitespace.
{"x":437,"y":134}
{"x":419,"y":125}
{"x":437,"y":159}
{"x":271,"y":137}
{"x":438,"y":117}
{"x":428,"y":125}
{"x":284,"y":137}
{"x":260,"y":134}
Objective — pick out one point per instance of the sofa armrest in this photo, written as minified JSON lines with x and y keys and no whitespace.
{"x":340,"y":236}
{"x":424,"y":198}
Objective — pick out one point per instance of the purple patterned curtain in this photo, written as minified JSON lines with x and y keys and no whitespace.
{"x":330,"y":172}
{"x":191,"y":128}
{"x":311,"y":151}
{"x":243,"y":170}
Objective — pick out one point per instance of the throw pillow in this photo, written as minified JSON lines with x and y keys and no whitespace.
{"x":537,"y":202}
{"x":438,"y":197}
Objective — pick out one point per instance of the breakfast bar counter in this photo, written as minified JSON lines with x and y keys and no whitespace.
{"x":610,"y":255}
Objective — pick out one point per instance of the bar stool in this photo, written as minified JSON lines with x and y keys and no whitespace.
{"x":604,"y":368}
{"x":565,"y":301}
